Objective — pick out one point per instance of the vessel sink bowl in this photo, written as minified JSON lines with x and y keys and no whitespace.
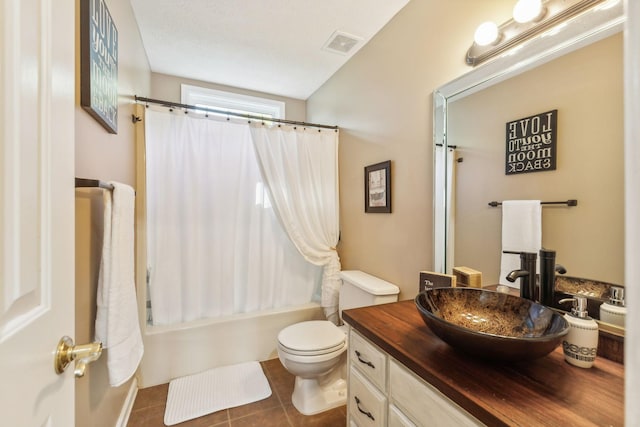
{"x":491,"y":325}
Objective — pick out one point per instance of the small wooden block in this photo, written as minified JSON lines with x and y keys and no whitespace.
{"x":468,"y":277}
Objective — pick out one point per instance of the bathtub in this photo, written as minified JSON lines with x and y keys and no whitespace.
{"x":175,"y":351}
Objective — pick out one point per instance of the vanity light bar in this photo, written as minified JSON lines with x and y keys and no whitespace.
{"x":512,"y":33}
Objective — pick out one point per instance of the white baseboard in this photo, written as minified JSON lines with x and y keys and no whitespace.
{"x":123,"y":419}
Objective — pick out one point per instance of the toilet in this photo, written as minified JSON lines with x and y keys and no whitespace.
{"x":315,"y":351}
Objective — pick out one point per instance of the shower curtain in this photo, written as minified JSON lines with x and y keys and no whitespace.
{"x":300,"y":166}
{"x":444,"y":201}
{"x":215,"y":246}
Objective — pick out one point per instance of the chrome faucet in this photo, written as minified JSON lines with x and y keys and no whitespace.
{"x":548,"y":270}
{"x":526,"y":274}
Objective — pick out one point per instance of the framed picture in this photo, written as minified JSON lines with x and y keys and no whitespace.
{"x":377,"y":188}
{"x":99,"y":63}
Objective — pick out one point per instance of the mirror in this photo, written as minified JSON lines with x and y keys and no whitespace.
{"x":471,"y":113}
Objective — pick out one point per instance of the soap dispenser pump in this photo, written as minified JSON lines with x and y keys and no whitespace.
{"x":614,"y":311}
{"x":580,"y":345}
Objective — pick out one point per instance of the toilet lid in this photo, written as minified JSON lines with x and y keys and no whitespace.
{"x":312,"y":337}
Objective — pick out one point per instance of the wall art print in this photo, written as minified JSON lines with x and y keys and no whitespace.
{"x":531,"y":144}
{"x":99,"y":63}
{"x":377,"y":188}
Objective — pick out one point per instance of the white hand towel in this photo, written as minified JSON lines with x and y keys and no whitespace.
{"x":521,"y":232}
{"x":117,"y":324}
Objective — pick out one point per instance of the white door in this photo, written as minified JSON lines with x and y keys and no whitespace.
{"x":37,"y":85}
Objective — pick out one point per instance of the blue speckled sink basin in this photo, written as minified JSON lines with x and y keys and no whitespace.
{"x":491,"y":325}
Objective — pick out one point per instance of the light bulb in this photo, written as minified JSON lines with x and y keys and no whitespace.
{"x":486,"y":33}
{"x":527,"y":11}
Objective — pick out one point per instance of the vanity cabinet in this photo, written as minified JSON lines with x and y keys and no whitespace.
{"x":367,"y":390}
{"x":423,"y":403}
{"x":383,"y":392}
{"x":419,"y":380}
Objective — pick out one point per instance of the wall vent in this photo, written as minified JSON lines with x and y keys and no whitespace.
{"x":341,"y":43}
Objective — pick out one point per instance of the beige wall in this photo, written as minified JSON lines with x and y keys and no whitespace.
{"x":167,"y":88}
{"x":104,"y":156}
{"x":586,"y":89}
{"x":381,"y":99}
{"x":99,"y":154}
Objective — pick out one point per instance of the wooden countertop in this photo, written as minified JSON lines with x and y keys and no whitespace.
{"x":544,"y":392}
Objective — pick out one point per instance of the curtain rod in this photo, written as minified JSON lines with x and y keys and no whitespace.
{"x":228,"y":113}
{"x":570,"y":202}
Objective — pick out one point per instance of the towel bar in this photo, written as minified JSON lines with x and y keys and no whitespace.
{"x":84,"y":182}
{"x":570,"y":202}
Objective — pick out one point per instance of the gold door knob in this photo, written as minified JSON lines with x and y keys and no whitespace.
{"x":67,"y":352}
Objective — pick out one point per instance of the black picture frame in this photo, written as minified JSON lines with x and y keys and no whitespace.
{"x":99,"y":63}
{"x":377,"y":188}
{"x":531,"y":144}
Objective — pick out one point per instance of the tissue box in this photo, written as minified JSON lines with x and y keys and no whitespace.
{"x":430,"y":280}
{"x":468,"y":277}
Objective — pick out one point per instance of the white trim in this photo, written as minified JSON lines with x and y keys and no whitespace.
{"x":632,"y":209}
{"x":127,"y":406}
{"x":222,"y":100}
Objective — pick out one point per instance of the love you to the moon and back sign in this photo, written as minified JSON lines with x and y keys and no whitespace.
{"x":531,"y":144}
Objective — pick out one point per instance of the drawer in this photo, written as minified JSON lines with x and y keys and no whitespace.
{"x":423,"y":403}
{"x":398,"y":419}
{"x":367,"y":406}
{"x":369,"y":359}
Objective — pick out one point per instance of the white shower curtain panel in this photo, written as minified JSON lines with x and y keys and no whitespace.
{"x":215,"y":246}
{"x":300,"y":167}
{"x":444,"y":202}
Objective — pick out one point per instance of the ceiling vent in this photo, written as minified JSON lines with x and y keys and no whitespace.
{"x":341,"y":43}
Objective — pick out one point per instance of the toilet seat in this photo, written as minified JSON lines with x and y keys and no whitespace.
{"x":312,"y":338}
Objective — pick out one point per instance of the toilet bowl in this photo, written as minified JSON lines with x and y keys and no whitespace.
{"x":319,"y":386}
{"x":315,"y":351}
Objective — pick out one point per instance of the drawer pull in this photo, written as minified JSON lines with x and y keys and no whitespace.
{"x":368,"y":414}
{"x":364,"y":361}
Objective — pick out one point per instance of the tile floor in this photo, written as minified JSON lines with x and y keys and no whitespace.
{"x":275,"y":411}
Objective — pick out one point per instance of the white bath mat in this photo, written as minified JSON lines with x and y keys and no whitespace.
{"x":210,"y":391}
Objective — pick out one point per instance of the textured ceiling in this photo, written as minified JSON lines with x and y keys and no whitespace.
{"x":273,"y":46}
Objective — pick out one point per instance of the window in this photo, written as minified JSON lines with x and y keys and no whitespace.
{"x":232,"y":102}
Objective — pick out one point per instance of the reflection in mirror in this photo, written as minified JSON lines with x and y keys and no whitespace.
{"x":585,"y":85}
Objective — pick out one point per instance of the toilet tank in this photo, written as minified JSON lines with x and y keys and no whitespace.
{"x":360,"y":289}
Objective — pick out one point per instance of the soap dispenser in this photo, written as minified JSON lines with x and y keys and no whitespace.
{"x":580,"y":345}
{"x":614,"y":311}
